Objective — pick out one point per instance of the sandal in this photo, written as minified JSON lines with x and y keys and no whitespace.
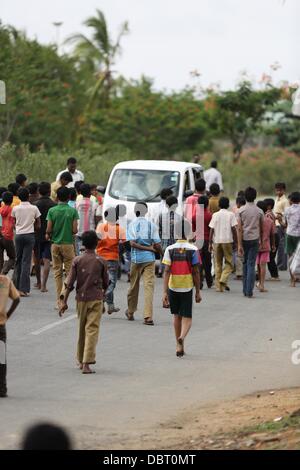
{"x":148,"y":322}
{"x":181,"y":352}
{"x":129,"y":316}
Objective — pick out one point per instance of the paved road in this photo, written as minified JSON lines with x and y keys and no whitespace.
{"x":139,"y":380}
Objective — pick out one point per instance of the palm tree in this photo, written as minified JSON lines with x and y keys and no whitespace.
{"x":98,"y":55}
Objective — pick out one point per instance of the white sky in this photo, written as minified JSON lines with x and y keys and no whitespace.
{"x":170,"y":38}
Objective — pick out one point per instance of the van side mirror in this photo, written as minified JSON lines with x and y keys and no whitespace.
{"x":101,"y":189}
{"x":188,"y":193}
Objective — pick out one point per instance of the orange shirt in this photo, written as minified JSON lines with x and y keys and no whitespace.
{"x":111,"y":235}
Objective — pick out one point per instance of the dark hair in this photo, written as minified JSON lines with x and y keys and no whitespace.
{"x":240,"y":201}
{"x":215,"y":189}
{"x":280,"y":186}
{"x":46,"y":437}
{"x":13,"y":188}
{"x":262,"y":205}
{"x":33,"y":188}
{"x":44,"y":188}
{"x":200,"y":185}
{"x":71,"y":161}
{"x":214,"y":164}
{"x":23,"y":194}
{"x":66,"y":176}
{"x":89,"y":240}
{"x":85,"y":190}
{"x":72,"y":194}
{"x":121,"y":210}
{"x":172,"y":201}
{"x":182,"y":229}
{"x":93,"y":186}
{"x":270,"y":203}
{"x":241,"y":193}
{"x":140,"y":209}
{"x":204,"y":201}
{"x":2,"y":190}
{"x":78,"y":186}
{"x":7,"y":198}
{"x":21,"y":178}
{"x":295,"y":197}
{"x":250,"y":194}
{"x":63,"y":194}
{"x":111,"y":214}
{"x":165,"y":193}
{"x":224,"y":203}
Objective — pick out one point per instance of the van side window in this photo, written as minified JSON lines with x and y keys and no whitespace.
{"x":187,"y":182}
{"x":197,"y":174}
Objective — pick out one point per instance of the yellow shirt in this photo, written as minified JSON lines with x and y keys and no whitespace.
{"x":213,"y":205}
{"x":7,"y":291}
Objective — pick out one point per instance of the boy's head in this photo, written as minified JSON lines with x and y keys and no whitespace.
{"x":262,"y":205}
{"x":78,"y":185}
{"x":23,"y":194}
{"x":270,"y":203}
{"x":85,"y":190}
{"x":224,"y":203}
{"x":89,"y":240}
{"x":21,"y":179}
{"x":140,"y":209}
{"x":13,"y":188}
{"x":280,"y":189}
{"x":240,"y":201}
{"x":200,"y":185}
{"x":111,"y":215}
{"x":172,"y":202}
{"x":165,"y":193}
{"x":295,"y":198}
{"x":7,"y":198}
{"x":72,"y":194}
{"x":215,"y":189}
{"x":2,"y":191}
{"x":182,"y":230}
{"x":66,"y":178}
{"x":250,"y":194}
{"x":33,"y":188}
{"x":214,"y":164}
{"x":44,"y":189}
{"x":203,"y":201}
{"x":63,"y":194}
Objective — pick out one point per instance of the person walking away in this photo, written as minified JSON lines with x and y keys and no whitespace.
{"x":213,"y":175}
{"x":14,"y":188}
{"x":145,"y":242}
{"x":44,"y":204}
{"x":267,"y":245}
{"x":272,"y":266}
{"x":61,"y":229}
{"x":87,"y":211}
{"x":191,"y":204}
{"x":7,"y":291}
{"x":72,"y":198}
{"x":33,"y":192}
{"x":205,"y":254}
{"x":250,"y":233}
{"x":181,"y":275}
{"x":89,"y":272}
{"x":238,"y":260}
{"x":110,"y":235}
{"x":291,"y":223}
{"x":21,"y":180}
{"x":65,"y":180}
{"x":77,"y":175}
{"x":214,"y":199}
{"x":281,"y":204}
{"x":222,"y":235}
{"x":7,"y":235}
{"x":27,"y":221}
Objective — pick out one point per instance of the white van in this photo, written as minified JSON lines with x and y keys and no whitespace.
{"x":143,"y":180}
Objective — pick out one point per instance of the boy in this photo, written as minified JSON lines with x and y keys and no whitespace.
{"x":223,"y":232}
{"x":190,"y":206}
{"x":240,"y":202}
{"x":14,"y":188}
{"x":89,"y":271}
{"x":263,"y":256}
{"x":111,"y":235}
{"x":206,"y":264}
{"x":272,"y":266}
{"x":281,"y":204}
{"x":87,"y":210}
{"x":7,"y":235}
{"x":214,"y":199}
{"x":7,"y":291}
{"x":292,"y":225}
{"x":181,"y":274}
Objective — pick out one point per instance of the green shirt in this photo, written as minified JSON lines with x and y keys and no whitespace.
{"x":62,"y":217}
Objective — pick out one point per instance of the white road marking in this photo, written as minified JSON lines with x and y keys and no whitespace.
{"x":53,"y":325}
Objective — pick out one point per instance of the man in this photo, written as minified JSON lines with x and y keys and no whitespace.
{"x":61,"y":228}
{"x":213,"y":175}
{"x":44,"y":204}
{"x":64,"y":181}
{"x":87,"y":211}
{"x":250,"y":235}
{"x":145,"y":242}
{"x":281,"y":204}
{"x":72,"y":168}
{"x":7,"y":235}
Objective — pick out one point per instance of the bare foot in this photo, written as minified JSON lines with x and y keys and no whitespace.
{"x":80,"y":365}
{"x":37,"y":286}
{"x":262,"y":289}
{"x":87,"y":370}
{"x":44,"y":289}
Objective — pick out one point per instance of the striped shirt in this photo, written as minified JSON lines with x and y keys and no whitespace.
{"x":87,"y":212}
{"x":181,"y":257}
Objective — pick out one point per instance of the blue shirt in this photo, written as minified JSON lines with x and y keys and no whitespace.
{"x":145,"y":233}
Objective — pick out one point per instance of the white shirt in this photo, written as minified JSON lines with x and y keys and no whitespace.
{"x":77,"y":176}
{"x":25,"y":215}
{"x":213,"y":176}
{"x":222,"y":223}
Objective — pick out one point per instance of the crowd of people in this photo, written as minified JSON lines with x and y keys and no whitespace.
{"x":63,"y":225}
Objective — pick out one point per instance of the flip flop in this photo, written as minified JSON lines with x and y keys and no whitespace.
{"x":149,"y":322}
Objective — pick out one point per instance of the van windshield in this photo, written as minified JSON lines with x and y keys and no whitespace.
{"x":142,"y":185}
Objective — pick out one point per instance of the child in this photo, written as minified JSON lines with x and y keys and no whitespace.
{"x":72,"y":198}
{"x":214,"y":198}
{"x":89,"y":271}
{"x":181,"y":275}
{"x":272,"y":266}
{"x":239,"y":260}
{"x":223,"y":232}
{"x":263,"y":257}
{"x":204,"y":251}
{"x":7,"y":235}
{"x":7,"y":291}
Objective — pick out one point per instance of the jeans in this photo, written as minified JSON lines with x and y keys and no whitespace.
{"x":113,"y":267}
{"x":9,"y":247}
{"x":251,"y":248}
{"x":3,"y":389}
{"x":24,"y":248}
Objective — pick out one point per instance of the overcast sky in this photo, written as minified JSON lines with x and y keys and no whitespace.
{"x":171,"y":38}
